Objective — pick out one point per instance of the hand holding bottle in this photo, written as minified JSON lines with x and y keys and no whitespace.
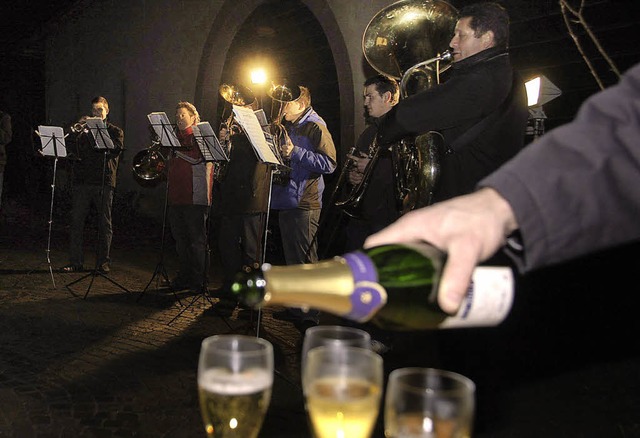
{"x":469,"y":228}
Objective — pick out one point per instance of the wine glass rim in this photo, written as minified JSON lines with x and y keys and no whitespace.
{"x":229,"y":343}
{"x":463,"y":383}
{"x":338,"y":329}
{"x":346,"y":348}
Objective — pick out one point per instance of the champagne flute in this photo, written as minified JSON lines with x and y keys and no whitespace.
{"x":333,"y":335}
{"x":235,"y":377}
{"x":428,"y":403}
{"x":342,"y":388}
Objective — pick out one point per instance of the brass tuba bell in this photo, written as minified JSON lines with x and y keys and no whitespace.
{"x":409,"y":41}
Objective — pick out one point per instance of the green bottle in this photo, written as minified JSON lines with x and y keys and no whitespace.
{"x":394,"y":286}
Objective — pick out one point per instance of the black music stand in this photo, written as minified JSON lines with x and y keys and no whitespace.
{"x":164,"y":136}
{"x":103,"y":143}
{"x":53,"y":145}
{"x":266,"y":151}
{"x":211,"y":151}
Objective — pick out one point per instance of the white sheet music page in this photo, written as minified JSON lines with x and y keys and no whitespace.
{"x":52,"y":140}
{"x":98,"y":130}
{"x":163,"y":129}
{"x":249,"y":122}
{"x":209,"y":144}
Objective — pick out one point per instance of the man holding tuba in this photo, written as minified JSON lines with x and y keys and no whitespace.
{"x":311,"y":154}
{"x":481,"y":109}
{"x":377,"y":207}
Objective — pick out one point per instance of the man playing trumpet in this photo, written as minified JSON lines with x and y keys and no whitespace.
{"x":93,"y":173}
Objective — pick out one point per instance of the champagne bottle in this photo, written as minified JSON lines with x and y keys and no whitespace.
{"x":394,"y":286}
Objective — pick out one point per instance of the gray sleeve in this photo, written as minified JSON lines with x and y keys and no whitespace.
{"x":577,"y":189}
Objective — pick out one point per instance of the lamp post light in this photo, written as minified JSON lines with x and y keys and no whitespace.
{"x":258,"y":79}
{"x":540,"y":90}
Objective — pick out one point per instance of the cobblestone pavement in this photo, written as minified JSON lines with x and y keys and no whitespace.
{"x":118,"y":363}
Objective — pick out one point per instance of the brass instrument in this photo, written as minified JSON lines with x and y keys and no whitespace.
{"x":351,"y":205}
{"x":235,"y":95}
{"x":79,"y":127}
{"x":408,"y":41}
{"x":149,"y":166}
{"x":280,"y":95}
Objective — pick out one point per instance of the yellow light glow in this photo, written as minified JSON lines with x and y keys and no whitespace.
{"x":258,"y":76}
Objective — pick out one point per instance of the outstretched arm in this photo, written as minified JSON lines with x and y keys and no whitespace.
{"x":470,"y":229}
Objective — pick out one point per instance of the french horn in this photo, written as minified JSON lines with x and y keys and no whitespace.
{"x":149,"y":166}
{"x":409,"y":41}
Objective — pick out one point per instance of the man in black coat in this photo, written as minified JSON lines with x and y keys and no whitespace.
{"x":94,"y":184}
{"x":241,"y":202}
{"x":481,"y":109}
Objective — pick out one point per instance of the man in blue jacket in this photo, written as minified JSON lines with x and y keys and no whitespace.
{"x":310,"y":153}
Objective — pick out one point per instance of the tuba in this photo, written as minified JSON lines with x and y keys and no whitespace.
{"x":408,"y":41}
{"x":235,"y":95}
{"x":280,"y":95}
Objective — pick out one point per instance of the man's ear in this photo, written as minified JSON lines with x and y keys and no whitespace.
{"x":488,"y":39}
{"x":387,"y":97}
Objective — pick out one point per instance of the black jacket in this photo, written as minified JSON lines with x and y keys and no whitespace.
{"x":245,"y":187}
{"x":476,"y":87}
{"x":88,"y":169}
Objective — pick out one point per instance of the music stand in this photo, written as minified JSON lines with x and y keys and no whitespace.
{"x":164,"y":136}
{"x":53,"y":145}
{"x":264,"y":146}
{"x":102,"y":142}
{"x":211,"y":151}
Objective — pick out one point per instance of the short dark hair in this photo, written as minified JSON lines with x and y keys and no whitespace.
{"x":100,"y":99}
{"x":383,"y":84}
{"x":488,"y":17}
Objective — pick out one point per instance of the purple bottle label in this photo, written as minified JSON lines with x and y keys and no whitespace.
{"x":368,"y":295}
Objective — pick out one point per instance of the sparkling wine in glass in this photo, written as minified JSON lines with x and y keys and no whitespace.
{"x":342,"y":389}
{"x":235,"y":377}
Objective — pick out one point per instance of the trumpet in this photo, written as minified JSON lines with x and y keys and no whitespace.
{"x":79,"y":127}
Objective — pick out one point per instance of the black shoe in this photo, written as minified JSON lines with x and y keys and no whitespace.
{"x":72,"y":268}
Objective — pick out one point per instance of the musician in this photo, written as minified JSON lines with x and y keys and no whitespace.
{"x":378,"y":207}
{"x":242,"y":206}
{"x":190,"y":180}
{"x":311,"y":154}
{"x":481,"y":109}
{"x":94,"y":183}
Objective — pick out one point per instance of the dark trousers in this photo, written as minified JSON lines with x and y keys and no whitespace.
{"x":189,"y":230}
{"x":298,"y":230}
{"x":240,"y":242}
{"x":85,"y":196}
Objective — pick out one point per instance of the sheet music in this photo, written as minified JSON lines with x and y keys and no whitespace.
{"x":262,"y":118}
{"x":163,"y":129}
{"x":98,"y":130}
{"x":249,"y":122}
{"x":52,"y":139}
{"x":209,"y":144}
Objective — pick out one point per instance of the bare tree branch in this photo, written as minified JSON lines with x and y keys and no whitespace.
{"x":565,"y":7}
